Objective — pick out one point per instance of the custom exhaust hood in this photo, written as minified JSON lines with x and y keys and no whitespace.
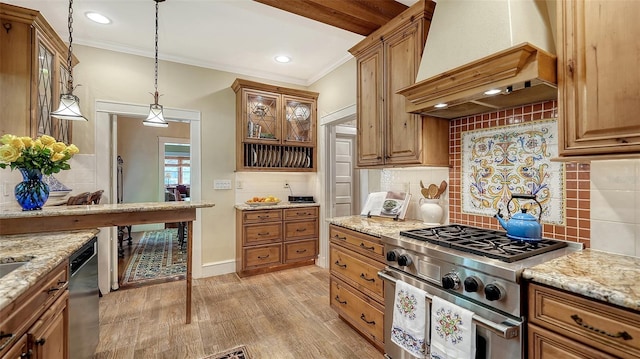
{"x":502,"y":46}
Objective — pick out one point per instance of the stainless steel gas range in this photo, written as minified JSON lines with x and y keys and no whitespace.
{"x":474,"y":268}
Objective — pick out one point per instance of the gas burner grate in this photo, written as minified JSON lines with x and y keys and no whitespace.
{"x":483,"y":242}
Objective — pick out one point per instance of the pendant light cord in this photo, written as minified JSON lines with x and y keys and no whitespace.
{"x":69,"y":64}
{"x":155,"y":96}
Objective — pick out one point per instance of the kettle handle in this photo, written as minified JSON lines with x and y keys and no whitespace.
{"x":525,"y":196}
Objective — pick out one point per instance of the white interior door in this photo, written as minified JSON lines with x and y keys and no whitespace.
{"x":344,"y":194}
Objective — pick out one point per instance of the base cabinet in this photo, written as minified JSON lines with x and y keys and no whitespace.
{"x":565,"y":325}
{"x":36,"y":324}
{"x":274,"y":239}
{"x":357,"y":293}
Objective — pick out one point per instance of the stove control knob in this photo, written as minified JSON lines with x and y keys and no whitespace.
{"x":472,"y":284}
{"x":451,"y":281}
{"x":404,"y":260}
{"x":392,"y":256}
{"x":493,"y":292}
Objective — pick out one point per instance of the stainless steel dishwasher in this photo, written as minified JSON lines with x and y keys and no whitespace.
{"x":84,"y":298}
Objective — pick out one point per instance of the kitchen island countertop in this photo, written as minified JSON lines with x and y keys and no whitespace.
{"x":376,"y":226}
{"x":42,"y":251}
{"x":608,"y":277}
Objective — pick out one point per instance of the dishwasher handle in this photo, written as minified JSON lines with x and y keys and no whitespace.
{"x":82,"y":256}
{"x":503,"y":329}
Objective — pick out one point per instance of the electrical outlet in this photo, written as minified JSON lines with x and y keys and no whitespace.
{"x":239,"y":184}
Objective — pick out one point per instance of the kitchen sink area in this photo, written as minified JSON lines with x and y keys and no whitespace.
{"x":6,"y":268}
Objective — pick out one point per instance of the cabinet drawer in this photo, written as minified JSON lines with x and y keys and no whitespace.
{"x":361,"y":243}
{"x":358,"y":271}
{"x":262,"y":256}
{"x":607,"y":328}
{"x":295,"y":251}
{"x":262,"y":233}
{"x":362,"y":314}
{"x":300,"y":230}
{"x":544,"y":344}
{"x":273,"y":215}
{"x":300,"y":213}
{"x":23,"y":311}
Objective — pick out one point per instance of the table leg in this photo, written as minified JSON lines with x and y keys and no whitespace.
{"x":189,"y":267}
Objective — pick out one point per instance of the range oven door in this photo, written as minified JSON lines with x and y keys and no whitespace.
{"x":497,"y":336}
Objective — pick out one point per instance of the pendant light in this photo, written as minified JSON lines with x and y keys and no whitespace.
{"x":155,"y":118}
{"x":69,"y":108}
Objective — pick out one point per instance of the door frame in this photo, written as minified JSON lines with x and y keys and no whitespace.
{"x":106,"y":113}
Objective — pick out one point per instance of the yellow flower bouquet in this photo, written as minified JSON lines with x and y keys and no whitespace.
{"x":44,"y":153}
{"x":33,"y":158}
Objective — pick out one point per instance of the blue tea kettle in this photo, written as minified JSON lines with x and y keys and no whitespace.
{"x":522,"y":226}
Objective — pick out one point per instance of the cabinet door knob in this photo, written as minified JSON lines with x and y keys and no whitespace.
{"x":40,"y":341}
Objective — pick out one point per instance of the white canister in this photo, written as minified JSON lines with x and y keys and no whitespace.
{"x":430,"y":211}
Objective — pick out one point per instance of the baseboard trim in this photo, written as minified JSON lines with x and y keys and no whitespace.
{"x":218,"y":268}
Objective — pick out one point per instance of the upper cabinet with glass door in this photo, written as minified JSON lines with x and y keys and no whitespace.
{"x":34,"y":57}
{"x":275,"y":127}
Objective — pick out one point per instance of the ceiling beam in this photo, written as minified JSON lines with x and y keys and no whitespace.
{"x":359,"y":16}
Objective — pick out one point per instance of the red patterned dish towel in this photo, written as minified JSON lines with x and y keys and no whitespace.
{"x":453,"y":333}
{"x":409,"y":328}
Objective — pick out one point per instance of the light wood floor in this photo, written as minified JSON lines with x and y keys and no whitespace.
{"x":279,"y":315}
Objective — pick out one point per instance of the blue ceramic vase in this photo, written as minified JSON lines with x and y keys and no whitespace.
{"x":31,"y":193}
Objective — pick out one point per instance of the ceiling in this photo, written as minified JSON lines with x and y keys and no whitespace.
{"x":239,"y":36}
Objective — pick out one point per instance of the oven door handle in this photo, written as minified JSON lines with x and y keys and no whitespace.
{"x":503,"y":329}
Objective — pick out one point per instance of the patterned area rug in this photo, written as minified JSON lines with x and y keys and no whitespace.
{"x":235,"y":353}
{"x":156,"y":257}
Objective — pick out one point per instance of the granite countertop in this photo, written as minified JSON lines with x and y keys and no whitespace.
{"x":48,"y":211}
{"x":44,"y":251}
{"x":377,"y":226}
{"x":608,"y":277}
{"x":246,"y":207}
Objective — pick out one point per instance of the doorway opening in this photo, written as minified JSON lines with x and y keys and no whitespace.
{"x":106,"y":134}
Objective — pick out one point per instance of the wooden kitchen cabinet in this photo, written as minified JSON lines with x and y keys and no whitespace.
{"x":34,"y":73}
{"x":357,"y":293}
{"x":274,"y":239}
{"x":387,"y":61}
{"x":275,"y":128}
{"x":565,"y":325}
{"x":598,"y":81}
{"x":40,"y":317}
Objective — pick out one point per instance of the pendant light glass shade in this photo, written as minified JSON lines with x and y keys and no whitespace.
{"x":155,"y":118}
{"x":69,"y":108}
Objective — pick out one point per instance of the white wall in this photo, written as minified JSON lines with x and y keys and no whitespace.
{"x":615,"y":206}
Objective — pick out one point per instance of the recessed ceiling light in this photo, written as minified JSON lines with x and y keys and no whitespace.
{"x":492,"y":92}
{"x":99,"y":18}
{"x":282,"y":59}
{"x":440,"y":105}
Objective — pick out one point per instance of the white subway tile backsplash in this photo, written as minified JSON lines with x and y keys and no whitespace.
{"x":615,"y":175}
{"x":613,"y":205}
{"x":614,"y":237}
{"x":261,"y":184}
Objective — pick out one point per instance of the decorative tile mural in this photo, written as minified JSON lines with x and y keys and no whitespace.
{"x":499,"y":161}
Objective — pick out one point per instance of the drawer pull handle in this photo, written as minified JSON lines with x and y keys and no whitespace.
{"x":263,"y":217}
{"x":364,"y":276}
{"x":623,"y":335}
{"x":340,"y":238}
{"x":367,"y":248}
{"x":337,"y":298}
{"x":301,"y":229}
{"x":52,"y":290}
{"x":301,"y":250}
{"x":364,"y":319}
{"x":8,"y":337}
{"x":263,"y":233}
{"x":340,"y":265}
{"x":303,"y":214}
{"x":263,"y":257}
{"x":40,"y":341}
